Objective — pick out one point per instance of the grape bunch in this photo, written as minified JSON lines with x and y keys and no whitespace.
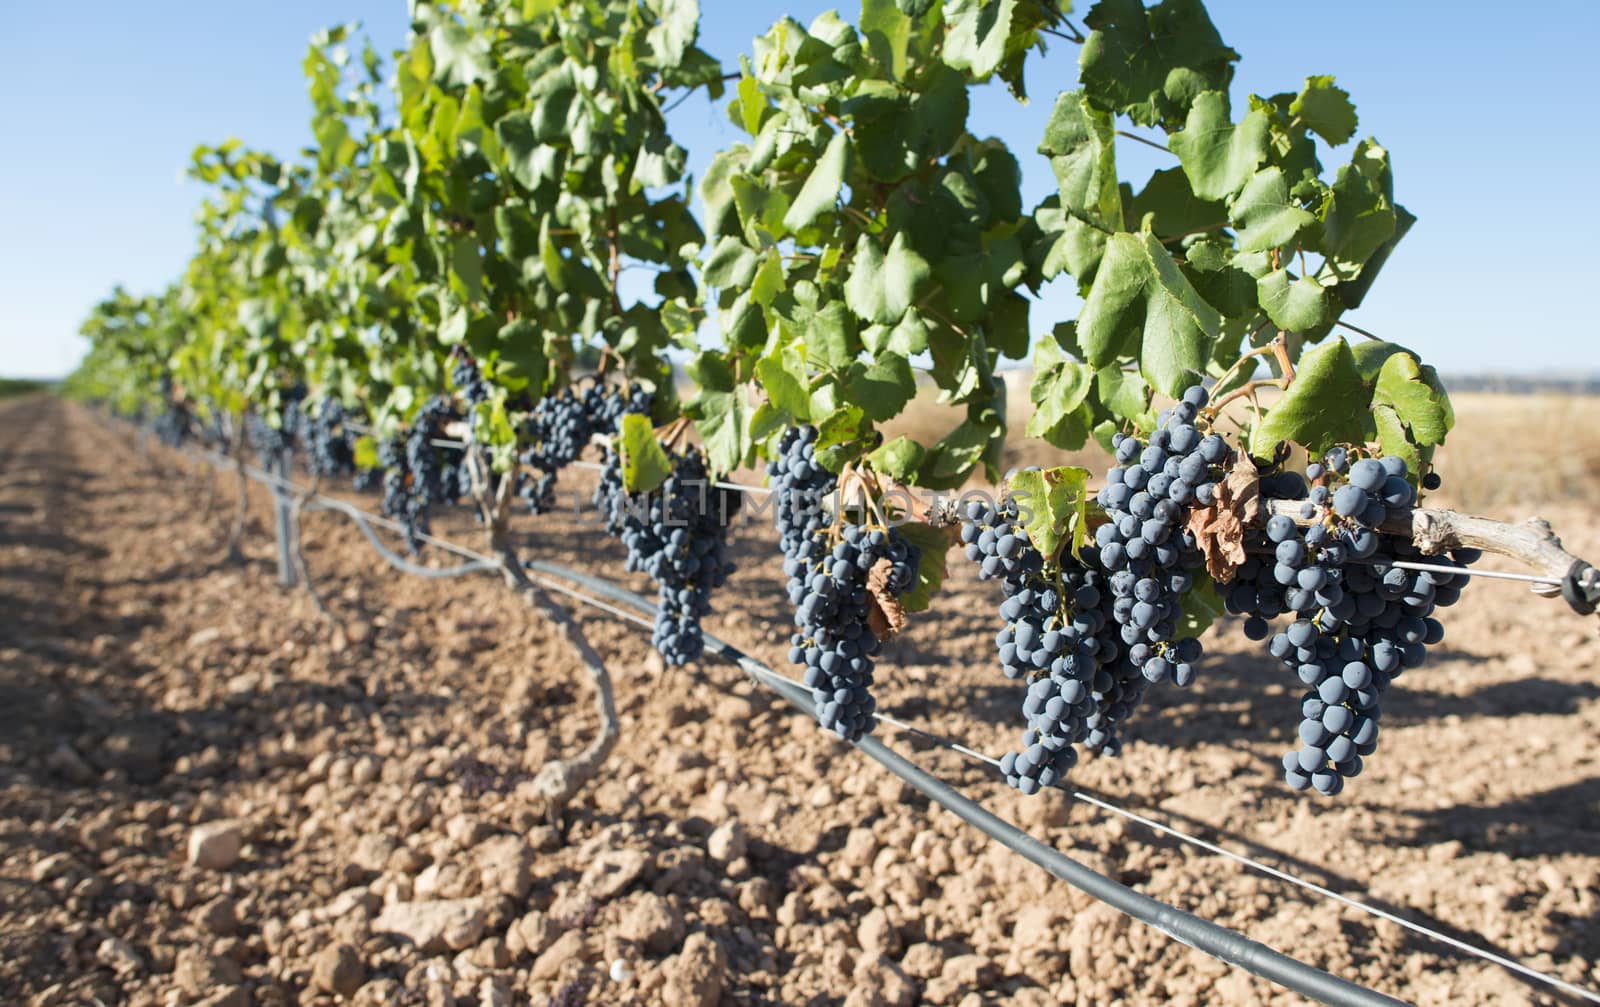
{"x":1359,"y":619}
{"x":1145,"y":548}
{"x":172,"y":426}
{"x":331,"y":443}
{"x":419,"y":474}
{"x":606,"y":404}
{"x":562,"y":423}
{"x":830,"y":567}
{"x":467,"y":378}
{"x":678,"y":534}
{"x":1053,"y":617}
{"x":555,"y":434}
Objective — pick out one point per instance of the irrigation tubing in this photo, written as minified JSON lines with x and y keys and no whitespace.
{"x":1202,"y":934}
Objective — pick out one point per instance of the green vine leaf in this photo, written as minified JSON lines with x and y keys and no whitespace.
{"x":1151,"y":64}
{"x":1417,"y":397}
{"x":1218,"y":156}
{"x":645,"y":465}
{"x":935,"y":545}
{"x":1294,"y":305}
{"x":822,"y":186}
{"x":1325,"y":109}
{"x":1266,"y":215}
{"x":1080,"y":142}
{"x":1323,"y":406}
{"x":1054,"y":505}
{"x":898,"y":459}
{"x":882,"y":287}
{"x":1142,"y":306}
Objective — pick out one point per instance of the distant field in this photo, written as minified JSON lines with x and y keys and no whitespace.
{"x":1507,"y":451}
{"x":19,"y":386}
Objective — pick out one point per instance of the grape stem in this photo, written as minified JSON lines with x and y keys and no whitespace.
{"x":558,"y":781}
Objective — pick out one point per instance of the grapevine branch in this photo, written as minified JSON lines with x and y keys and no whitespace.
{"x":1532,"y":543}
{"x":558,"y":780}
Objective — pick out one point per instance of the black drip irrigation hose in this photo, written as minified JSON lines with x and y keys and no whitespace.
{"x":1202,"y":934}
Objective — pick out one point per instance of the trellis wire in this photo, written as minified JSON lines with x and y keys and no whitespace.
{"x":797,"y":694}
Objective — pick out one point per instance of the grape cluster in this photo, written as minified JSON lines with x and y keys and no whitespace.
{"x":1052,"y":618}
{"x":1359,"y":620}
{"x":172,"y":426}
{"x":467,"y":378}
{"x":1145,"y":548}
{"x":331,"y":443}
{"x":678,"y":534}
{"x":419,"y":473}
{"x":829,"y":568}
{"x":562,"y":423}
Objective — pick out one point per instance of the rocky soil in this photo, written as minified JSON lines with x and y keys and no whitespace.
{"x":209,"y":794}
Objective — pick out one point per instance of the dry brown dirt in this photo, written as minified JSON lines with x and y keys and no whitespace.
{"x":344,"y":786}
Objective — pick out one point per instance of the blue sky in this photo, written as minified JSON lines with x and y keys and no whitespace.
{"x":1480,"y":109}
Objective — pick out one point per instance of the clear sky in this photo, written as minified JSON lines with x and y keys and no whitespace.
{"x":1480,"y":105}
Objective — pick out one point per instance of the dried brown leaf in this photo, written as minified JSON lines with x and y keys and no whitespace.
{"x":885,"y":617}
{"x":1219,"y":530}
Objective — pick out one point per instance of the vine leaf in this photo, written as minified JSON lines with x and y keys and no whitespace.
{"x":1142,"y":306}
{"x":883,"y":387}
{"x":1079,"y":140}
{"x":1325,"y":109}
{"x":822,"y":186}
{"x":1358,"y":213}
{"x":1218,"y":156}
{"x":978,"y":33}
{"x":1202,"y":605}
{"x":1220,"y":528}
{"x":885,"y":615}
{"x":1054,"y":506}
{"x":783,"y":376}
{"x":645,"y":465}
{"x":1294,"y":305}
{"x":935,"y":545}
{"x":1322,"y":406}
{"x":1417,"y":397}
{"x":1267,"y":217}
{"x":1150,"y":64}
{"x":1059,"y":389}
{"x":898,"y":459}
{"x":881,"y":288}
{"x":720,"y":410}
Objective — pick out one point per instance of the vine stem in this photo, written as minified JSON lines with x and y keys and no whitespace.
{"x":242,"y":511}
{"x":302,"y":568}
{"x":559,"y":780}
{"x":1358,"y":330}
{"x":1532,"y":542}
{"x":1136,"y":138}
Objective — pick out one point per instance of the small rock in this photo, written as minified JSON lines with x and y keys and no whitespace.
{"x":47,"y":869}
{"x":66,"y":763}
{"x":877,"y":935}
{"x":228,"y":996}
{"x":198,"y":973}
{"x":859,"y":848}
{"x":694,"y":976}
{"x":118,"y":956}
{"x":464,"y":830}
{"x":338,"y":969}
{"x":974,"y":971}
{"x":134,"y":748}
{"x":727,"y":842}
{"x":452,"y":924}
{"x":611,"y":872}
{"x":887,"y":980}
{"x":923,"y":960}
{"x":215,"y":845}
{"x":505,"y":864}
{"x":654,"y":923}
{"x":372,"y":852}
{"x":219,"y":916}
{"x":621,"y":971}
{"x":204,"y":636}
{"x":570,"y":947}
